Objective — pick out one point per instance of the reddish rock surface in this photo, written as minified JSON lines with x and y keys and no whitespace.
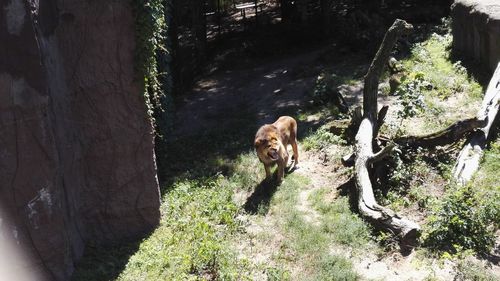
{"x":76,"y":146}
{"x":476,"y":31}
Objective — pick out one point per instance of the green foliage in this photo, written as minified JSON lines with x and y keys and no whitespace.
{"x":326,"y":84}
{"x":336,"y":268}
{"x":486,"y":179}
{"x":431,"y":78}
{"x":400,"y":173}
{"x":432,"y":57}
{"x":468,"y":216}
{"x":411,"y":95}
{"x":197,"y":217}
{"x":339,"y":222}
{"x":320,"y":139}
{"x":151,"y":38}
{"x":468,"y":270}
{"x":277,"y":274}
{"x":462,"y":221}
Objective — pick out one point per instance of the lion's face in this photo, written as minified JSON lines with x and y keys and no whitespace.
{"x":268,"y":147}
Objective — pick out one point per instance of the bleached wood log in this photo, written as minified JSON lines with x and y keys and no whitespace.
{"x":368,"y":206}
{"x":470,"y":156}
{"x":364,"y":156}
{"x":449,"y":135}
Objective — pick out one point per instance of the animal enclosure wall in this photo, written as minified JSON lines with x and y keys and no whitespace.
{"x":76,"y":145}
{"x":476,"y":31}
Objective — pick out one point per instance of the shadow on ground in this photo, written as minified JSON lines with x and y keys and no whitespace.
{"x":104,"y":263}
{"x":258,"y":201}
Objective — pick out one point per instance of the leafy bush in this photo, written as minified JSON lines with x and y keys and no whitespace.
{"x":411,"y":95}
{"x":321,"y":139}
{"x":462,"y":221}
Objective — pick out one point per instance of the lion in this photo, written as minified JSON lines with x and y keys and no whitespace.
{"x":271,"y":141}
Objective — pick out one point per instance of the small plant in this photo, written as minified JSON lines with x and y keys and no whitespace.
{"x":461,"y":222}
{"x":277,"y":274}
{"x":411,"y":95}
{"x":326,"y":87}
{"x":468,"y":270}
{"x":321,"y":139}
{"x":336,"y":268}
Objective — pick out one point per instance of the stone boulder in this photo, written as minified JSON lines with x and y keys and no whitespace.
{"x":476,"y":31}
{"x":77,"y":161}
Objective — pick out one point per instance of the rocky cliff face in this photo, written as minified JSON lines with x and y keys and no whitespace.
{"x":476,"y":31}
{"x":76,"y":145}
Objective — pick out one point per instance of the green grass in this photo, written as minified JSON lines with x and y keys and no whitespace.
{"x":440,"y":84}
{"x":468,"y":270}
{"x":197,"y":218}
{"x":309,"y":245}
{"x":486,"y":178}
{"x":339,"y":222}
{"x":321,"y":139}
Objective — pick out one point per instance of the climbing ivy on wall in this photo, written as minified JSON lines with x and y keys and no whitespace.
{"x":152,"y":56}
{"x":152,"y":61}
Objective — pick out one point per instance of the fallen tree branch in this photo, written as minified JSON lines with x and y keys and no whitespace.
{"x":367,"y":204}
{"x":381,"y":154}
{"x":449,"y":135}
{"x":363,"y":151}
{"x":470,"y":156}
{"x":381,"y":118}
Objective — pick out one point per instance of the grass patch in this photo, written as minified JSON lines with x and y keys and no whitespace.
{"x":338,"y":221}
{"x":312,"y":243}
{"x":307,"y":245}
{"x":468,"y":270}
{"x":431,"y":85}
{"x":190,"y":242}
{"x":321,"y":139}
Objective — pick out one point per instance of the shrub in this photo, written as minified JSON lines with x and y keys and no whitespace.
{"x":462,"y":221}
{"x":411,"y":95}
{"x":320,"y":139}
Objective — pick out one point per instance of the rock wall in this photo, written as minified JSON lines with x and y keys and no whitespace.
{"x":476,"y":31}
{"x":77,"y":160}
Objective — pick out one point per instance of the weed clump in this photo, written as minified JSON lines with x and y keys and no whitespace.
{"x":321,"y":139}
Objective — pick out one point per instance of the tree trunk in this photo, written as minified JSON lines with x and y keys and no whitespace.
{"x":368,"y":207}
{"x":364,"y":156}
{"x":468,"y":160}
{"x":370,"y":90}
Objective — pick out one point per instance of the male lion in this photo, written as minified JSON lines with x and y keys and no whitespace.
{"x":271,"y":143}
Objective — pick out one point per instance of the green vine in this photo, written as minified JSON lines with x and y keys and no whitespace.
{"x":151,"y":46}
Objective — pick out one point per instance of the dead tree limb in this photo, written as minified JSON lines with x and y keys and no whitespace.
{"x":367,"y":204}
{"x":364,"y":156}
{"x":468,"y":159}
{"x":381,"y":118}
{"x":449,"y":135}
